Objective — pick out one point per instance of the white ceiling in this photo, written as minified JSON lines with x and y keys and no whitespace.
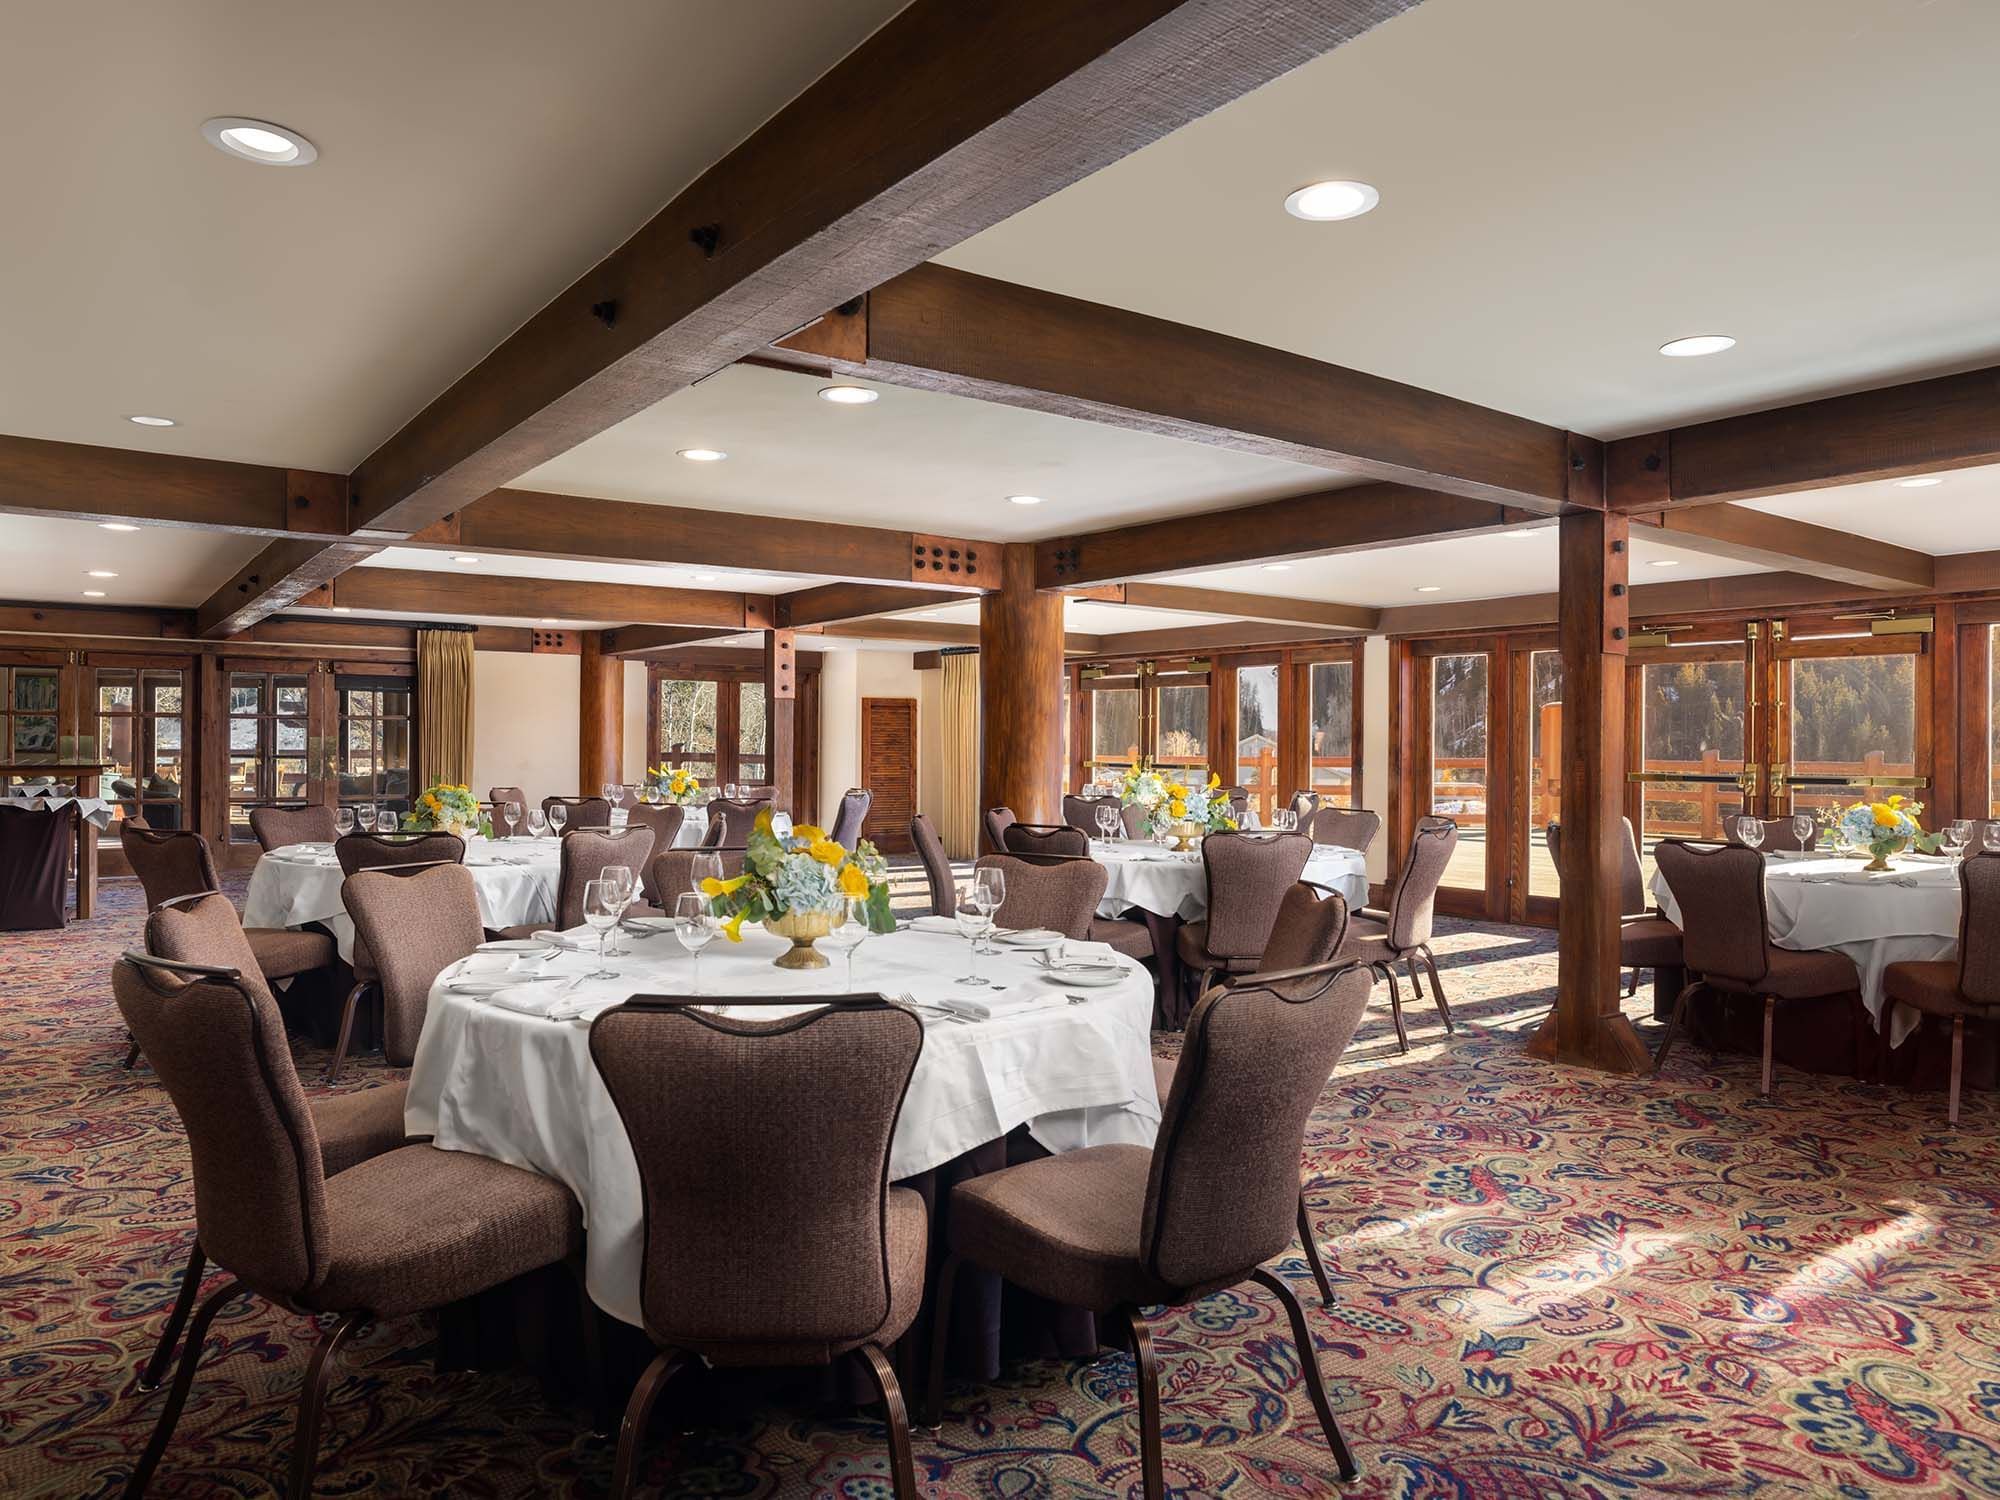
{"x":1093,"y":617}
{"x":912,"y":460}
{"x":1567,"y":184}
{"x":1960,"y":515}
{"x":647,"y":575}
{"x":476,"y":156}
{"x":165,"y":566}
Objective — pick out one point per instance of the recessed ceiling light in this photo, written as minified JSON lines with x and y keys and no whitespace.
{"x":848,"y":395}
{"x":1664,"y":562}
{"x":1024,"y":499}
{"x":115,"y":526}
{"x":152,"y":421}
{"x":1697,"y":344}
{"x":1921,"y":482}
{"x":1321,"y":201}
{"x":1516,"y":536}
{"x":100,"y":573}
{"x":1277,"y":567}
{"x":260,"y":141}
{"x":926,"y":614}
{"x":341,"y":609}
{"x":1429,"y":588}
{"x":704,"y":578}
{"x":464,"y":557}
{"x":548,"y":619}
{"x":93,"y":593}
{"x":703,"y":455}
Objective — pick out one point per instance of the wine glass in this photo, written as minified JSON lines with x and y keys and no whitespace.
{"x":558,"y":816}
{"x":1107,"y":821}
{"x":729,"y":791}
{"x":1989,"y":838}
{"x":1804,"y":828}
{"x":973,"y":920}
{"x":385,"y":820}
{"x":365,"y":816}
{"x":849,"y":932}
{"x":695,"y":925}
{"x":1750,"y":832}
{"x":538,"y":823}
{"x":1285,"y":820}
{"x":512,"y":809}
{"x":991,"y":883}
{"x":619,"y":878}
{"x":600,"y":913}
{"x":1957,"y":834}
{"x":343,"y":822}
{"x":704,"y":867}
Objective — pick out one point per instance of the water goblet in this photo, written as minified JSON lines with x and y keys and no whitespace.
{"x":992,"y":884}
{"x":619,"y":878}
{"x":1750,"y":832}
{"x":695,"y":925}
{"x":704,"y":867}
{"x":850,"y":931}
{"x":385,"y":820}
{"x":1803,"y":827}
{"x":973,"y":920}
{"x":512,"y":809}
{"x":1957,"y":835}
{"x":600,"y":913}
{"x":365,"y":816}
{"x":558,"y":817}
{"x":1989,"y":838}
{"x":1107,"y":821}
{"x":343,"y":822}
{"x":538,"y":823}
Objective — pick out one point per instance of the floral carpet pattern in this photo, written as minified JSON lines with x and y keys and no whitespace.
{"x":1549,"y":1283}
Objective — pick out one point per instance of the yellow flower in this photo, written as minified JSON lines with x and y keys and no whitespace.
{"x":826,"y":851}
{"x":763,"y":824}
{"x":853,"y":882}
{"x":733,"y":928}
{"x":807,"y":832}
{"x":1178,"y":809}
{"x":1896,"y":800}
{"x":711,"y":887}
{"x":1885,"y":815}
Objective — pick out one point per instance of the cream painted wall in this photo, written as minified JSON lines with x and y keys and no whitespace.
{"x":1375,"y":768}
{"x":524,"y":722}
{"x":847,"y":677}
{"x":839,"y":727}
{"x":634,"y":756}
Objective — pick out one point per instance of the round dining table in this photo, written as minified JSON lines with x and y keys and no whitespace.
{"x":507,"y":1072}
{"x":1145,"y":876}
{"x":1877,"y":918}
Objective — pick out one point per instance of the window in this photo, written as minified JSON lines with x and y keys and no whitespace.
{"x":1114,"y":728}
{"x":141,"y":738}
{"x":1545,"y":745}
{"x":375,"y":741}
{"x":1458,"y":760}
{"x":1180,"y":735}
{"x":1851,"y":716}
{"x":753,"y":746}
{"x":1993,"y":721}
{"x":1257,"y":737}
{"x":1330,"y":732}
{"x":267,"y":745}
{"x":686,"y":724}
{"x":28,"y":713}
{"x":715,"y":722}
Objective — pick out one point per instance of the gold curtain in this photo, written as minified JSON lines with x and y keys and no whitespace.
{"x":444,"y":707}
{"x":958,"y":818}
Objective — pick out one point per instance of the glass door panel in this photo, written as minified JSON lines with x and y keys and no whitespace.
{"x":1180,"y":730}
{"x":1458,"y":769}
{"x":1114,"y":730}
{"x":1545,"y":746}
{"x":687,"y":713}
{"x":752,"y":754}
{"x":1848,"y":726}
{"x":1257,"y":737}
{"x":1993,"y":721}
{"x":1330,"y":732}
{"x":1693,"y":721}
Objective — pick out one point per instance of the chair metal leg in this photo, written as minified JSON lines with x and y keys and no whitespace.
{"x":1388,"y":972}
{"x":312,"y":1402}
{"x":149,"y":1461}
{"x":901,"y":1464}
{"x":1312,"y":1253}
{"x":1152,"y":1464}
{"x":346,"y":1032}
{"x":1416,"y":985}
{"x":1957,"y":1065}
{"x":947,"y":1284}
{"x":155,"y":1369}
{"x":1309,"y":1367}
{"x":132,"y":1053}
{"x":1770,"y":1011}
{"x":1631,"y":984}
{"x":1437,"y":990}
{"x":1673,"y":1026}
{"x":632,"y":1430}
{"x":595,"y":1390}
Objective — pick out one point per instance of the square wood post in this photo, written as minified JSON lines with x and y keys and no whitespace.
{"x":1020,"y":692}
{"x":600,"y":752}
{"x":1588,"y":1026}
{"x":781,"y":716}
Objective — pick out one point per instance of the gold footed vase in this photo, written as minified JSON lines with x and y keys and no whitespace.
{"x":802,"y":928}
{"x":1881,"y":859}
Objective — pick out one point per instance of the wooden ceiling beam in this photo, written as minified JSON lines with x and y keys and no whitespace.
{"x":948,"y":119}
{"x":1262,"y":608}
{"x":413,"y":591}
{"x":933,"y":632}
{"x":275,"y":579}
{"x":83,"y":482}
{"x":1229,"y":635}
{"x":1780,"y":542}
{"x":833,"y":602}
{"x":655,"y":640}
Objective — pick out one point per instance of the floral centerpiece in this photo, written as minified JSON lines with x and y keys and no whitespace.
{"x":1171,"y":806}
{"x":673,"y":783}
{"x":794,"y":881}
{"x":1885,"y":828}
{"x":444,"y":807}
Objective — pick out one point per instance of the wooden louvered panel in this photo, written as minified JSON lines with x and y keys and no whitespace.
{"x":889,"y":770}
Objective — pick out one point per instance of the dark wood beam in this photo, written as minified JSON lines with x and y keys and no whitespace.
{"x":276,"y":579}
{"x":82,"y":482}
{"x":410,"y":591}
{"x":834,"y":602}
{"x":1920,"y":427}
{"x":934,"y":632}
{"x":1316,"y":525}
{"x":1746,"y":535}
{"x":1230,"y":635}
{"x":781,"y":717}
{"x":946,"y":330}
{"x":1264,"y":608}
{"x":948,"y":119}
{"x":653,"y":640}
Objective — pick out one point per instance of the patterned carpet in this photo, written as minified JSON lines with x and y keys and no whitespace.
{"x":1551,"y":1284}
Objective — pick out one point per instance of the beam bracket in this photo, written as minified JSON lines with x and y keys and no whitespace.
{"x":948,"y":559}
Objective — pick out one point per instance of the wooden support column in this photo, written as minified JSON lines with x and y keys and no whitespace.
{"x":1020,"y":692}
{"x":781,"y":717}
{"x":1588,"y":1026}
{"x":600,"y":716}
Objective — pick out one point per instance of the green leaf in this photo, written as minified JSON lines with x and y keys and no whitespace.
{"x":880,"y":918}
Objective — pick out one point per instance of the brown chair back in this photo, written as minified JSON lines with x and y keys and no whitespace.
{"x":730,"y":823}
{"x":35,"y":845}
{"x":1979,"y":929}
{"x":585,"y":855}
{"x":1224,"y":1191}
{"x":1239,"y":801}
{"x":673,"y":872}
{"x":168,"y":862}
{"x":580,"y":812}
{"x":414,"y":919}
{"x":1413,"y":903}
{"x":218,"y":1046}
{"x":1632,"y":898}
{"x":937,"y":867}
{"x":375,"y":851}
{"x":203,"y":929}
{"x":1060,"y":894}
{"x":1081,"y":812}
{"x":500,"y":796}
{"x":665,"y":820}
{"x":279,"y":827}
{"x":763,"y":1154}
{"x":854,"y":805}
{"x":1248,"y":875}
{"x":1304,"y":805}
{"x":996,"y":820}
{"x":1046,"y":841}
{"x":1725,"y":932}
{"x":1347,"y":827}
{"x":1311,"y":925}
{"x":1779,"y":836}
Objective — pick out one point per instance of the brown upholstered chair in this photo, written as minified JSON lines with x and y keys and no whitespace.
{"x":1304,"y":805}
{"x":1348,"y":827}
{"x":585,"y":856}
{"x":995,"y":822}
{"x":1380,"y":939}
{"x":278,"y":827}
{"x":500,"y":796}
{"x":852,"y":813}
{"x":1059,"y":894}
{"x":673,"y":871}
{"x":1726,"y":938}
{"x":1238,"y":798}
{"x":1967,"y":987}
{"x":767,"y":1244}
{"x":1118,"y":1228}
{"x":378,"y":851}
{"x":937,"y":866}
{"x":730,"y":823}
{"x":580,"y":812}
{"x":665,"y":820}
{"x":1646,"y":939}
{"x":415,"y":919}
{"x":1779,"y":836}
{"x":1248,"y":875}
{"x":404,"y":1231}
{"x":1045,"y":841}
{"x":1081,"y":812}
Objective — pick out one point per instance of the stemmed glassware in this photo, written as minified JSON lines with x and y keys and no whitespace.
{"x":1750,"y":832}
{"x":343,"y":822}
{"x":1957,"y":835}
{"x":849,"y":932}
{"x":704,"y":867}
{"x":1284,"y":820}
{"x":619,"y":878}
{"x":614,"y":793}
{"x":601,"y":910}
{"x":1989,"y":838}
{"x":974,"y":920}
{"x":365,"y":816}
{"x":729,"y":792}
{"x":513,"y":811}
{"x":992,"y":887}
{"x":558,"y":816}
{"x":696,"y":926}
{"x":1107,"y":821}
{"x":538,"y":823}
{"x":1804,"y":826}
{"x":385,"y":820}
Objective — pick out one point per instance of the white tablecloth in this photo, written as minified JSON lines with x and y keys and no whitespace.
{"x":95,"y":810}
{"x":300,"y":883}
{"x":522,"y":1088}
{"x":1828,"y":901}
{"x":1147,"y":877}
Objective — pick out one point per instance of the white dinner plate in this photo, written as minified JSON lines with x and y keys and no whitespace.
{"x":514,"y":945}
{"x":1092,"y":976}
{"x":475,"y":984}
{"x":1030,"y":937}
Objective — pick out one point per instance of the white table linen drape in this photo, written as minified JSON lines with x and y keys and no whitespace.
{"x":1146,"y":877}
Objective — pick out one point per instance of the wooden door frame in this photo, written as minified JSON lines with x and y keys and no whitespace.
{"x":805,"y":743}
{"x":901,"y":842}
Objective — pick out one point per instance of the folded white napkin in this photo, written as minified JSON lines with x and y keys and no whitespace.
{"x":937,"y":924}
{"x":988,"y":1006}
{"x":530,"y":999}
